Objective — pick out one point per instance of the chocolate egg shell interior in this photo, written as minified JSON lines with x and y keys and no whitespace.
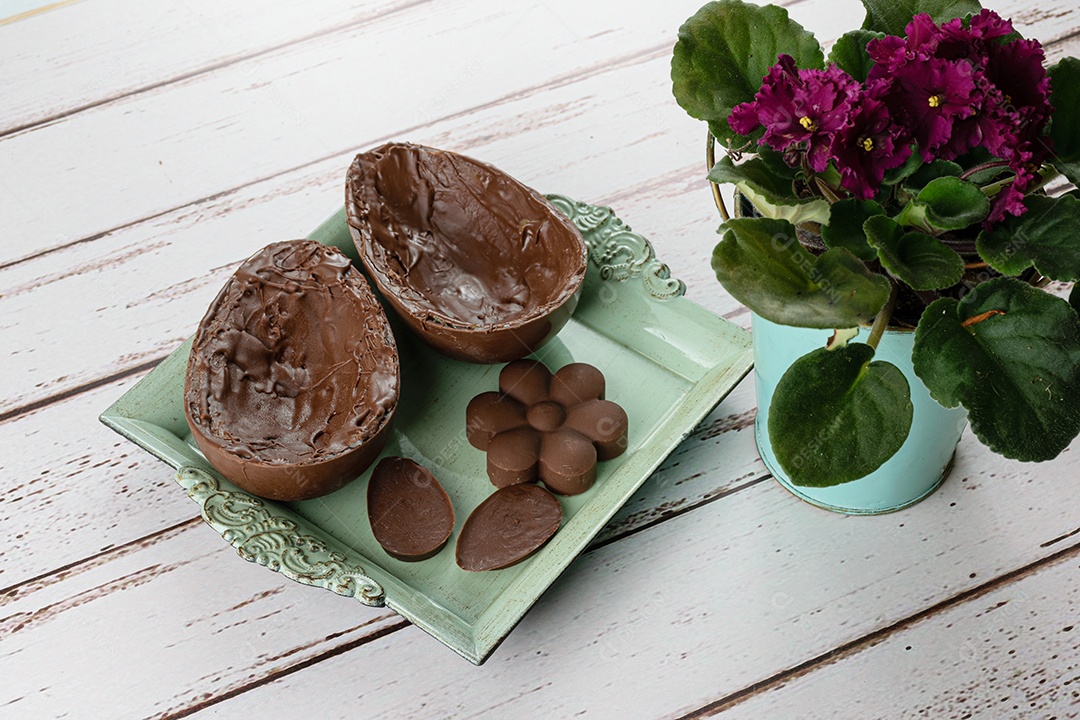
{"x":293,"y":376}
{"x":481,"y":267}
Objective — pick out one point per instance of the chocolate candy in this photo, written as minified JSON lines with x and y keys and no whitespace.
{"x":548,"y":428}
{"x":410,"y":513}
{"x":510,"y":525}
{"x":293,"y":375}
{"x":481,"y":267}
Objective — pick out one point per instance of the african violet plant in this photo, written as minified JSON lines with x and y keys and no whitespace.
{"x":916,"y":155}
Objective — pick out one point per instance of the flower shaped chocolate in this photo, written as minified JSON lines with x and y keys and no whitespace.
{"x":546,"y":427}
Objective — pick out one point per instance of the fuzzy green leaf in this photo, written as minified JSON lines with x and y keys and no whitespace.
{"x":931,"y":171}
{"x":849,"y":52}
{"x":953,"y":204}
{"x":892,"y":16}
{"x":773,"y":195}
{"x":1065,"y":97}
{"x":915,"y":258}
{"x":723,"y":52}
{"x":836,"y":416}
{"x":845,"y":228}
{"x":756,"y":175}
{"x":761,"y":263}
{"x":909,"y":168}
{"x":1016,"y":367}
{"x":1045,"y":236}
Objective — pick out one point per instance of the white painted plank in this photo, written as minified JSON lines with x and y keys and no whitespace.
{"x":75,"y":55}
{"x":158,"y":150}
{"x":201,"y":594}
{"x":1009,"y":654}
{"x":665,"y":620}
{"x":162,"y":149}
{"x":150,"y":283}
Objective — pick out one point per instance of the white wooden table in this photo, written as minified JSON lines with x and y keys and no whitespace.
{"x":146,"y":148}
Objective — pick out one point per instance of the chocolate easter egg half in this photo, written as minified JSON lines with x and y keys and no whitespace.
{"x":293,"y":376}
{"x":410,"y":513}
{"x":481,"y":267}
{"x":512,"y":524}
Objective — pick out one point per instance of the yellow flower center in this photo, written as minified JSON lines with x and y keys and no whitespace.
{"x":808,"y":124}
{"x":935,"y":101}
{"x":867,"y":144}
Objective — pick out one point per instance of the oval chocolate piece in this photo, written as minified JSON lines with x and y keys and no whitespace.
{"x":410,"y":513}
{"x":293,"y":375}
{"x":481,"y":267}
{"x":513,"y":523}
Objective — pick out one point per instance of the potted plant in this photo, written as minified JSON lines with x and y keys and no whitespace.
{"x":897,"y":239}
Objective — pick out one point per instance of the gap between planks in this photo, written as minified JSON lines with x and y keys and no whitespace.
{"x":850,"y":648}
{"x":631,"y":59}
{"x":220,"y":64}
{"x":870,"y":639}
{"x":620,"y":62}
{"x":213,"y":67}
{"x":569,"y":77}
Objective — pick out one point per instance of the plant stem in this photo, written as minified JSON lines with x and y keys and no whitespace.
{"x":710,"y":160}
{"x":883,"y":317}
{"x":985,"y":166}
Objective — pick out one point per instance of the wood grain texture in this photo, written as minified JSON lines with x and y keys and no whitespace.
{"x":148,"y":314}
{"x":297,"y":102}
{"x":93,"y":60}
{"x":156,"y":153}
{"x":667,"y":620}
{"x":292,"y":100}
{"x":1009,"y":651}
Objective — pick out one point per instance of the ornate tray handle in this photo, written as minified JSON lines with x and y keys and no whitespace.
{"x":618,"y":252}
{"x":276,"y":541}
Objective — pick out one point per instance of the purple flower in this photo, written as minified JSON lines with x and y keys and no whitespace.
{"x":868,"y":146}
{"x":891,"y":53}
{"x":1010,"y":201}
{"x":932,"y":95}
{"x":988,"y":25}
{"x":799,"y":106}
{"x":951,"y":89}
{"x":972,"y":41}
{"x":1016,"y":71}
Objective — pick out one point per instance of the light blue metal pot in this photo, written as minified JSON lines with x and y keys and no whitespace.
{"x":918,"y":467}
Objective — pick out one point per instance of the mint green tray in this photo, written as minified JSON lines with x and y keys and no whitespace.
{"x":668,"y":363}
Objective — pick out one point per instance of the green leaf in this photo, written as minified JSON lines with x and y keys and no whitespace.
{"x":773,"y":195}
{"x":892,"y":16}
{"x":774,"y":161}
{"x":915,"y":258}
{"x":1016,"y":367}
{"x":947,"y":203}
{"x":1045,"y":236}
{"x":849,"y":52}
{"x":1065,"y":97}
{"x":845,"y":227}
{"x":836,"y":416}
{"x":932,"y":171}
{"x":723,"y":52}
{"x":757,"y":176}
{"x":762,"y":264}
{"x":910,"y":166}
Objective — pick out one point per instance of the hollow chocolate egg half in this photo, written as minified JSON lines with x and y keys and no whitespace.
{"x":293,"y":377}
{"x":481,"y":267}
